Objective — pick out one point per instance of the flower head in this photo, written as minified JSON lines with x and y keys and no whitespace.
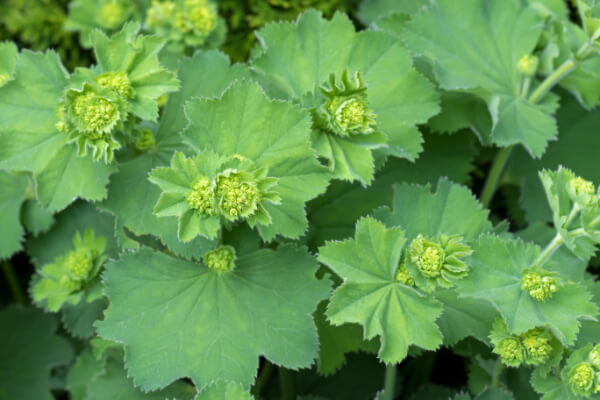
{"x":582,"y":379}
{"x":537,"y":345}
{"x":79,"y":263}
{"x":539,"y":285}
{"x":511,"y":351}
{"x":117,"y":81}
{"x":403,"y":276}
{"x":581,"y":191}
{"x":70,"y":284}
{"x":221,"y":259}
{"x":346,"y":109}
{"x":595,"y":357}
{"x":528,"y":64}
{"x":237,"y":194}
{"x":145,"y":140}
{"x":112,"y":15}
{"x":200,"y":197}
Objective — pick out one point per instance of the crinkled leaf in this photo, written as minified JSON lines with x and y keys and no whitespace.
{"x":370,"y":295}
{"x":28,"y":135}
{"x":297,"y":58}
{"x":273,"y":134}
{"x":451,"y":210}
{"x":206,"y":325}
{"x":29,"y":348}
{"x":131,"y":196}
{"x":12,"y":195}
{"x":475,"y":45}
{"x":495,"y":275}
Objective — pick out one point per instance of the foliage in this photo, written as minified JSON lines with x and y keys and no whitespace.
{"x":381,"y":200}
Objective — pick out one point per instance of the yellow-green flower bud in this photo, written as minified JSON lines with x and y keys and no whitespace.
{"x":201,"y":195}
{"x":582,"y":379}
{"x":112,"y":15}
{"x":202,"y":17}
{"x":95,"y":113}
{"x":79,"y":263}
{"x":145,"y":140}
{"x":538,"y":286}
{"x":70,"y":284}
{"x":237,"y":196}
{"x":428,"y":256}
{"x":117,"y":81}
{"x":581,"y":191}
{"x":537,"y":346}
{"x":511,"y":351}
{"x":404,"y":277}
{"x":4,"y":78}
{"x":221,"y":259}
{"x":595,"y":357}
{"x":528,"y":65}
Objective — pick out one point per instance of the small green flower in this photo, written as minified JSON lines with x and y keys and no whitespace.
{"x":221,"y":259}
{"x":582,"y":379}
{"x":70,"y":284}
{"x":200,"y":197}
{"x":595,"y":357}
{"x":112,"y":15}
{"x":537,"y":345}
{"x":511,"y":351}
{"x":117,"y":81}
{"x":539,"y":284}
{"x":581,"y":191}
{"x":528,"y":64}
{"x":346,"y":110}
{"x":145,"y":140}
{"x":403,"y":276}
{"x":237,"y":195}
{"x":79,"y":263}
{"x":437,"y":261}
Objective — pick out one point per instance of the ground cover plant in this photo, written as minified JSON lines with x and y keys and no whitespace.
{"x":299,"y":199}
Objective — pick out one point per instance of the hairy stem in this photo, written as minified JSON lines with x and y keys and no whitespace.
{"x":497,"y":372}
{"x":493,"y":178}
{"x":548,"y":251}
{"x":286,"y":384}
{"x":390,"y":382}
{"x":13,"y":283}
{"x":263,"y":378}
{"x":551,"y":80}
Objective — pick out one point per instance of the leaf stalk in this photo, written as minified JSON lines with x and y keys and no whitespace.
{"x":493,"y":178}
{"x":389,"y":383}
{"x":13,"y":283}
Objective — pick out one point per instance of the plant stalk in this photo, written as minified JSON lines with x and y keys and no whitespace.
{"x":552,"y":80}
{"x":390,"y":382}
{"x":497,"y":372}
{"x":286,"y":384}
{"x":13,"y":283}
{"x":548,"y":251}
{"x":493,"y":178}
{"x":263,"y":378}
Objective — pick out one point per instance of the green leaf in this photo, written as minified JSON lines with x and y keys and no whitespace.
{"x":298,"y":58}
{"x":220,"y":390}
{"x":13,"y":194}
{"x":451,"y":210}
{"x":206,"y":325}
{"x":475,"y":45}
{"x":496,"y":270}
{"x":28,"y":135}
{"x":8,"y":55}
{"x":372,"y":10}
{"x":372,"y":297}
{"x":137,"y":56}
{"x":274,"y":135}
{"x":131,"y":196}
{"x":68,"y":176}
{"x":78,"y":319}
{"x":85,"y":369}
{"x":29,"y":348}
{"x":36,"y":219}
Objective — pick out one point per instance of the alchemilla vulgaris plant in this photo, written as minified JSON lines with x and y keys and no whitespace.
{"x":378,"y":199}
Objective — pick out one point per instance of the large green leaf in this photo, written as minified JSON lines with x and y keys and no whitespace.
{"x":221,"y":390}
{"x":275,"y":136}
{"x":451,"y":210}
{"x":204,"y":324}
{"x":131,"y":196}
{"x":475,"y":45}
{"x":29,"y":348}
{"x":8,"y":56}
{"x":496,"y":271}
{"x":14,"y":189}
{"x":297,"y":58}
{"x":371,"y":296}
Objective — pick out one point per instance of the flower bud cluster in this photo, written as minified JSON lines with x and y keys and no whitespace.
{"x":113,"y":14}
{"x":221,"y":259}
{"x":528,"y":65}
{"x":539,"y":286}
{"x":533,"y":347}
{"x":584,"y":378}
{"x":81,"y":264}
{"x":403,"y":276}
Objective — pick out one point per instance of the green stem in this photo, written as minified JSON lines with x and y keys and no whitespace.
{"x":493,"y":178}
{"x":548,"y":251}
{"x":390,"y":382}
{"x":286,"y":384}
{"x":13,"y":283}
{"x":525,"y":86}
{"x":497,"y":372}
{"x":574,"y":211}
{"x":552,"y":80}
{"x":263,"y":378}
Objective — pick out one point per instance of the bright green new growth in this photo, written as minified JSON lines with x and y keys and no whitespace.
{"x":539,"y":286}
{"x":439,"y":261}
{"x":200,"y":197}
{"x":528,"y":65}
{"x":403,"y":276}
{"x":79,"y":263}
{"x":112,"y":15}
{"x":237,"y":195}
{"x":581,"y":191}
{"x":346,"y":110}
{"x":511,"y":351}
{"x":221,"y":259}
{"x":145,"y":140}
{"x":4,"y":77}
{"x":537,"y":345}
{"x":117,"y":81}
{"x":581,"y":379}
{"x":595,"y":357}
